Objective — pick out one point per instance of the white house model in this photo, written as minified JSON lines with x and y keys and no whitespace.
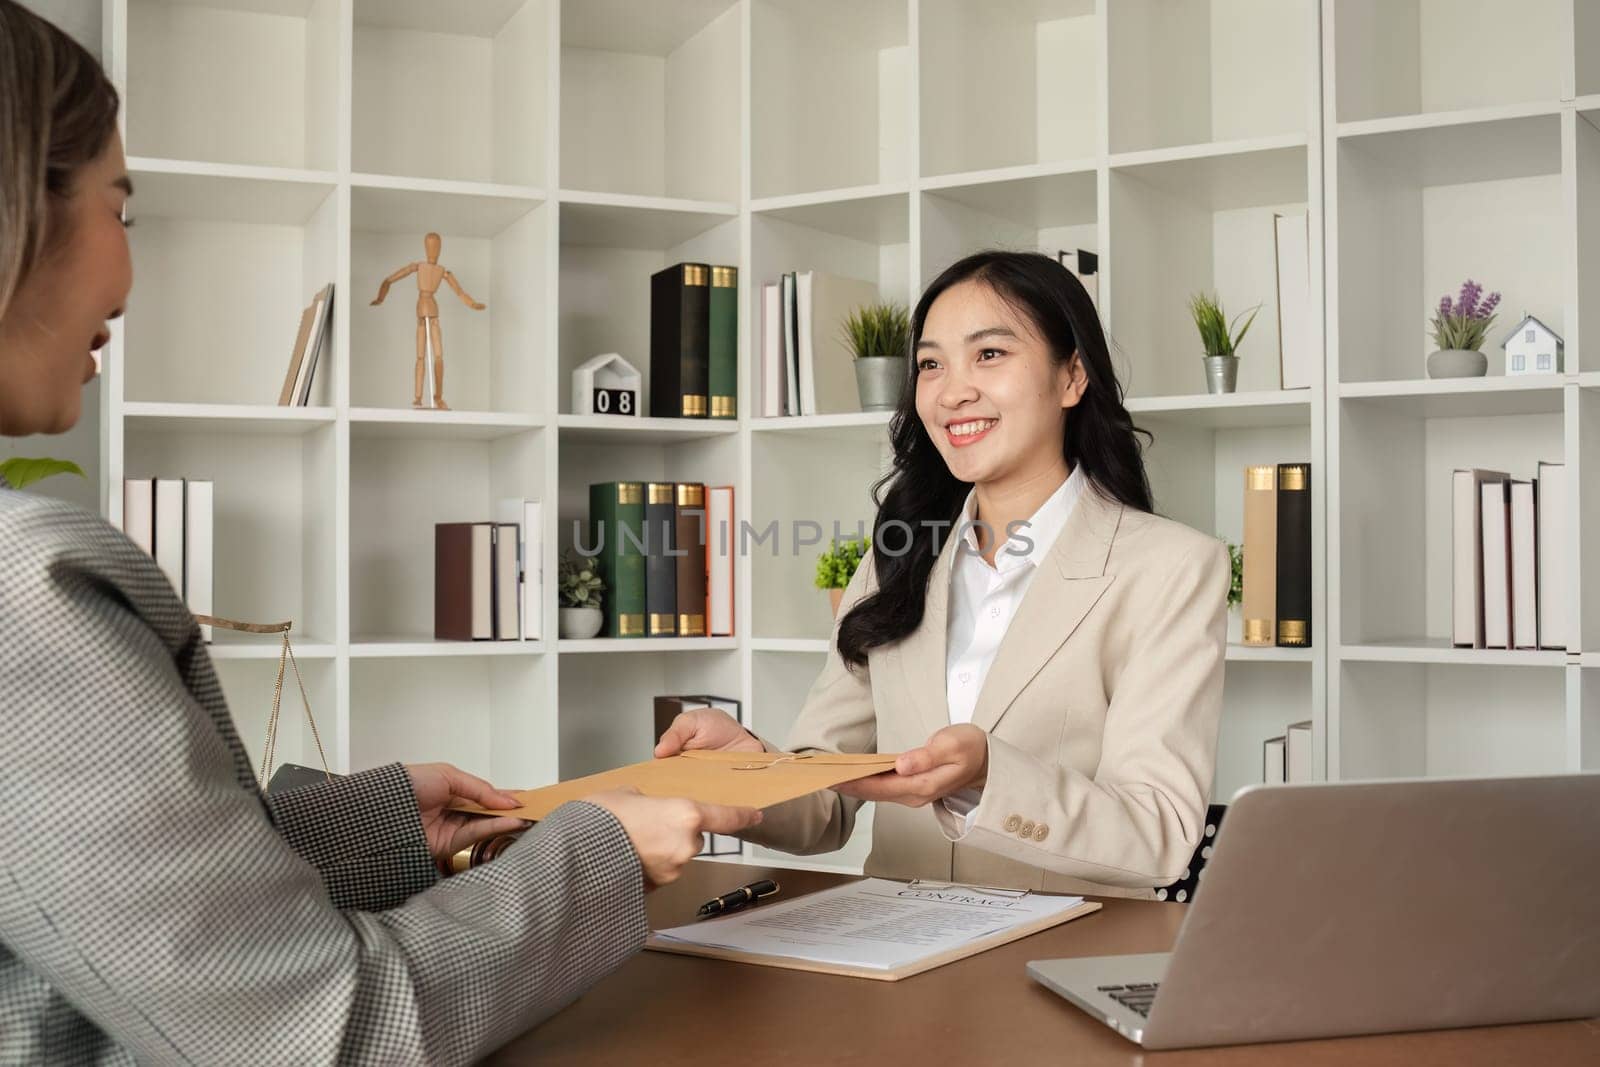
{"x":602,"y":386}
{"x":1532,"y":348}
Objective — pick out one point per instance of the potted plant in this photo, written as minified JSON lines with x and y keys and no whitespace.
{"x":1459,"y":331}
{"x":581,"y":589}
{"x":837,"y":566}
{"x":879,"y":339}
{"x":1220,"y":341}
{"x":19,"y":472}
{"x":1235,"y":590}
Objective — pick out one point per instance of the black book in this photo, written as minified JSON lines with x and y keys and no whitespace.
{"x":660,"y":563}
{"x":1294,"y":555}
{"x":680,"y":341}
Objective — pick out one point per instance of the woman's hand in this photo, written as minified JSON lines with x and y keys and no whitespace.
{"x":706,"y":728}
{"x":438,"y":786}
{"x":953,"y":759}
{"x":666,"y":833}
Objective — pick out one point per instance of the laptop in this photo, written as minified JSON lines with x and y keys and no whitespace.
{"x":1329,"y":910}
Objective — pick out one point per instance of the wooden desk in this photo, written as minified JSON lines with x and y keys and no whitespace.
{"x":663,"y":1010}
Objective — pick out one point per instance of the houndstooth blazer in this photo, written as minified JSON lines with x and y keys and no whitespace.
{"x":155,"y":907}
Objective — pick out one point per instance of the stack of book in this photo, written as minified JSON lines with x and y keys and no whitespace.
{"x":487,"y":577}
{"x":806,"y":367}
{"x":668,"y":708}
{"x":694,"y":342}
{"x":312,"y":340}
{"x":1277,"y":555}
{"x":171,"y":519}
{"x":1288,"y":758}
{"x":665,"y":551}
{"x":1509,"y":565}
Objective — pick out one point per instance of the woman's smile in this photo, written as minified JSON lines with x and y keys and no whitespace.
{"x":969,"y":432}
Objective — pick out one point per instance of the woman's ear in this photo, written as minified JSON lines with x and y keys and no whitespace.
{"x":1074,"y":379}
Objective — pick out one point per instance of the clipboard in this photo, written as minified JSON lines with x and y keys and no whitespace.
{"x":891,"y":974}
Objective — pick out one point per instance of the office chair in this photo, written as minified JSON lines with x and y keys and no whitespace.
{"x":1182,"y":891}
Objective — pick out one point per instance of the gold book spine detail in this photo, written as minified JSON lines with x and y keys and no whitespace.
{"x":722,"y":407}
{"x":694,"y":406}
{"x":630,"y":492}
{"x":1259,"y":478}
{"x":1258,"y":631}
{"x":1292,"y":478}
{"x":724,"y":277}
{"x":631,"y":625}
{"x":691,"y":625}
{"x":1292,"y":632}
{"x":660,"y":492}
{"x":691,"y":495}
{"x":695,"y":274}
{"x":663,"y":624}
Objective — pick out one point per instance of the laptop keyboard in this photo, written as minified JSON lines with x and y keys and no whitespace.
{"x":1135,"y":996}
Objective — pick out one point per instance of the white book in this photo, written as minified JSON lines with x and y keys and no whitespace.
{"x":1295,"y":341}
{"x":1466,"y":543}
{"x":722,"y":536}
{"x":139,"y":513}
{"x":483,"y":581}
{"x":321,"y":339}
{"x":1495,"y":498}
{"x":1273,"y":766}
{"x":791,"y":350}
{"x":833,"y":370}
{"x":1524,"y":566}
{"x":169,"y":530}
{"x":1297,"y":752}
{"x":1554,"y":580}
{"x":807,"y":354}
{"x":772,"y":370}
{"x":507,"y":583}
{"x":526,"y":515}
{"x":198,"y":546}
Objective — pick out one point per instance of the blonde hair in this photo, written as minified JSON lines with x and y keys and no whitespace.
{"x":58,"y":111}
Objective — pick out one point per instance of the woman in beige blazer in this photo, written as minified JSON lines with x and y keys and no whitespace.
{"x":1052,"y":672}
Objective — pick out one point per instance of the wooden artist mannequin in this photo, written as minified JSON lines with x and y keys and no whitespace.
{"x":429,"y":275}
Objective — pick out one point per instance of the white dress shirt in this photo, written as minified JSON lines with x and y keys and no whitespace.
{"x":983,"y":600}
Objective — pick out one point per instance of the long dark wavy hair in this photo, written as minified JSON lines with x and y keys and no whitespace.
{"x":1099,"y":438}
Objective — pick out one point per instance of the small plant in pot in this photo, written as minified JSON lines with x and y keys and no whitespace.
{"x":837,"y":566}
{"x":879,"y":337}
{"x":1220,"y":340}
{"x":581,"y":589}
{"x":1459,"y":330}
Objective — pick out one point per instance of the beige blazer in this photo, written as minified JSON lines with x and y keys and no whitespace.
{"x":1101,"y":706}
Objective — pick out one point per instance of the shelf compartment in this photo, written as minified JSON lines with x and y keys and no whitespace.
{"x":1260,"y":700}
{"x":1460,"y":397}
{"x":875,"y":213}
{"x":1225,"y":411}
{"x":412,"y":423}
{"x":999,"y":114}
{"x":495,"y":246}
{"x":259,"y":418}
{"x":830,"y":94}
{"x":1401,"y":57}
{"x":234,"y":81}
{"x":1440,"y":650}
{"x":1209,"y":71}
{"x":1051,"y":213}
{"x":618,"y":694}
{"x":650,"y":98}
{"x":458,"y":94}
{"x":610,"y":221}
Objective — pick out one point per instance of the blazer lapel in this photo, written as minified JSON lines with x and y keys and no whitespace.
{"x":1070,"y":581}
{"x":922,"y":655}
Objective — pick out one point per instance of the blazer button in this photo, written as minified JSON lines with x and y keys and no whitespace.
{"x":1041,"y":832}
{"x":1027,"y":830}
{"x":1012,"y":823}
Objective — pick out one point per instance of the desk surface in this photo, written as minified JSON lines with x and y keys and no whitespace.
{"x":664,"y":1009}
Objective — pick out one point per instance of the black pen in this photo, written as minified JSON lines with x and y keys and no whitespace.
{"x":745,"y":894}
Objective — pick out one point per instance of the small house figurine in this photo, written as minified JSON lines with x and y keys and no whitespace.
{"x":1532,"y":348}
{"x":606,"y":385}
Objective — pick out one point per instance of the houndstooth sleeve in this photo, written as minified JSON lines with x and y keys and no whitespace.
{"x":363,"y":834}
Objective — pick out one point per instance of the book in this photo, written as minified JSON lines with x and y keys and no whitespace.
{"x":791,"y":349}
{"x":1259,"y":609}
{"x":721,"y":545}
{"x":507,"y":595}
{"x":805,"y":347}
{"x":680,"y":354}
{"x":832,"y":376}
{"x":320,"y":340}
{"x":723,"y":342}
{"x":1294,"y":555}
{"x":689,"y":540}
{"x":1296,"y":360}
{"x":773,"y":376}
{"x":1274,"y":767}
{"x":1524,"y":565}
{"x":1297,"y":763}
{"x":1495,"y":502}
{"x":139,"y":513}
{"x":463,"y":581}
{"x":198,"y":547}
{"x":616,"y":520}
{"x":1554,"y":577}
{"x":169,"y":530}
{"x":527,"y":516}
{"x":660,"y":560}
{"x":1466,"y":556}
{"x":1085,"y":266}
{"x":297,"y":357}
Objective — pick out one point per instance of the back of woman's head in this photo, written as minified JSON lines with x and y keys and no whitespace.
{"x":920,"y":493}
{"x":58,"y":111}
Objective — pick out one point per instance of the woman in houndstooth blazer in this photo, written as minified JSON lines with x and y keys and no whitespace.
{"x":154,"y":905}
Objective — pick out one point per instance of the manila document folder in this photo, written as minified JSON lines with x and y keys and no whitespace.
{"x":739,"y":779}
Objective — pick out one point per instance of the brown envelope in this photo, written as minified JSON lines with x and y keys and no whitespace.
{"x":740,"y":779}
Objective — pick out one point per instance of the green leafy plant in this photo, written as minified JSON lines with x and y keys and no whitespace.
{"x":877,"y":330}
{"x":580,"y":584}
{"x":19,"y":472}
{"x":1216,"y":332}
{"x":1465,"y":324}
{"x":1236,"y":585}
{"x":838,"y":564}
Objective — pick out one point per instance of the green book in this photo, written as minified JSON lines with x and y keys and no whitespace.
{"x":724,"y":329}
{"x":616,"y":528}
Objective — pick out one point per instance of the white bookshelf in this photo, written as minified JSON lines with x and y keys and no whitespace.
{"x":566,"y":150}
